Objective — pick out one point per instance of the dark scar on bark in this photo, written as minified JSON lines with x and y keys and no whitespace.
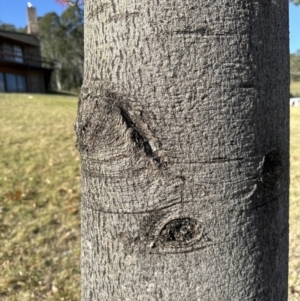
{"x":179,"y":234}
{"x":179,"y":230}
{"x":139,"y":139}
{"x":172,"y":236}
{"x":272,"y":168}
{"x":106,"y":102}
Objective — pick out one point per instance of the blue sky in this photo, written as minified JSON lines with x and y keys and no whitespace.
{"x":14,"y":12}
{"x":294,"y":28}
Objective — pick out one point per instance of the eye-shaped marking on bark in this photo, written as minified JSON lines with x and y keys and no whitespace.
{"x":180,"y":232}
{"x":180,"y":235}
{"x":272,"y":168}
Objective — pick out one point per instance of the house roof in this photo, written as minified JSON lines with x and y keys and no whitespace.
{"x":20,"y":37}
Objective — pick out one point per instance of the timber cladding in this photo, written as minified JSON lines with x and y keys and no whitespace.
{"x":35,"y":81}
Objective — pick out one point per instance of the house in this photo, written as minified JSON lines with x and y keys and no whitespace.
{"x":22,"y":68}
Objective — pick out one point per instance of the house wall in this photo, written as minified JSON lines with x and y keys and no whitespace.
{"x":35,"y":81}
{"x":12,"y":70}
{"x":32,"y":55}
{"x":21,"y":65}
{"x":34,"y":78}
{"x":26,"y":65}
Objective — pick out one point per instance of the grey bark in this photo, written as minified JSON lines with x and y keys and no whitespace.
{"x":183,"y":133}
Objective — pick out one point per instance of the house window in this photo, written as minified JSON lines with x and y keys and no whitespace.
{"x":2,"y":85}
{"x":12,"y":53}
{"x":21,"y":83}
{"x":13,"y":82}
{"x":18,"y":53}
{"x":7,"y":52}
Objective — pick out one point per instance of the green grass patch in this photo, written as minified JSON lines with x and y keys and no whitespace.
{"x":39,"y":200}
{"x":295,"y":89}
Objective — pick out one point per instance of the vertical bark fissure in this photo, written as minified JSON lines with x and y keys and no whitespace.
{"x":141,"y":141}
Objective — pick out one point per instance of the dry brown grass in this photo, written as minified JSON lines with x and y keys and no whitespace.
{"x":294,"y":258}
{"x":295,"y":89}
{"x":39,"y":199}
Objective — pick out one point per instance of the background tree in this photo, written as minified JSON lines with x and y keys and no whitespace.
{"x":8,"y":27}
{"x":183,"y":133}
{"x":11,"y":27}
{"x":295,"y":58}
{"x":78,"y":3}
{"x":62,"y":41}
{"x":52,"y":43}
{"x":72,"y":71}
{"x":295,"y":66}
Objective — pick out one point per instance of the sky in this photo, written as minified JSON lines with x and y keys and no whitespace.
{"x":14,"y":12}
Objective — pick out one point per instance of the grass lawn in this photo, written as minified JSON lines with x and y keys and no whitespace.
{"x":39,"y":200}
{"x":294,"y":258}
{"x":295,"y":89}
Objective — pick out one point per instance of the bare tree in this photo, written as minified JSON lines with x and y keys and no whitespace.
{"x":183,"y":133}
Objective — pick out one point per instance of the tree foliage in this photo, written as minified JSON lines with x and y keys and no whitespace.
{"x":11,"y":27}
{"x":62,"y":41}
{"x":295,"y":66}
{"x":78,"y":3}
{"x":295,"y":1}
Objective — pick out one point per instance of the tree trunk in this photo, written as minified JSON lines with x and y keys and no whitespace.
{"x":183,"y":133}
{"x":57,"y":78}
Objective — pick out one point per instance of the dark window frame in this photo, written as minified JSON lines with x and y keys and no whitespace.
{"x":18,"y":87}
{"x":4,"y":86}
{"x":11,"y":56}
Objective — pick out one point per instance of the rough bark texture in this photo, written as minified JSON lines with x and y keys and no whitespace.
{"x":183,"y":132}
